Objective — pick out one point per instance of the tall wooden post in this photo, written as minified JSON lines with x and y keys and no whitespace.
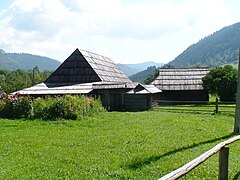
{"x":216,"y":103}
{"x":223,"y":163}
{"x":237,"y":111}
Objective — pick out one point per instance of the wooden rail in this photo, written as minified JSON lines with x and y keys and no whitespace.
{"x":197,"y":106}
{"x":223,"y":160}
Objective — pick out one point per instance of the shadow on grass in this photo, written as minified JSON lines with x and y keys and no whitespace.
{"x":140,"y":163}
{"x":237,"y":176}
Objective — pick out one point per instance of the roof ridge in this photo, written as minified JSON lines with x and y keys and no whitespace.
{"x":93,"y":53}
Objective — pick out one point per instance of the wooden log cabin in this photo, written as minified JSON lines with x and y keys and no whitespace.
{"x":141,"y":97}
{"x":84,"y":72}
{"x":181,"y":85}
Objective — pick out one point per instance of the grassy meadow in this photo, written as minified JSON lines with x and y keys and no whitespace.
{"x":114,"y":145}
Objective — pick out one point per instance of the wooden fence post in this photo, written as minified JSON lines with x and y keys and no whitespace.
{"x":237,"y":111}
{"x":216,"y":103}
{"x":223,"y":163}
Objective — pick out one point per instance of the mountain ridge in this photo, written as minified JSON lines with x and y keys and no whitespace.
{"x":25,"y":61}
{"x":29,"y":61}
{"x":7,"y":62}
{"x":131,"y":69}
{"x":217,"y":49}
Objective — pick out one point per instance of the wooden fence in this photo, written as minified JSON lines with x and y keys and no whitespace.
{"x":223,"y":150}
{"x":197,"y":106}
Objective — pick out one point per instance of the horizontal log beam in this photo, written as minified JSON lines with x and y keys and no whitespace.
{"x":194,"y":163}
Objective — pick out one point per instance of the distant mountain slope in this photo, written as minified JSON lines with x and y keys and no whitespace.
{"x":131,"y":69}
{"x":143,"y":75}
{"x":14,"y":61}
{"x":29,"y":61}
{"x":8,"y":63}
{"x":217,"y":49}
{"x":145,"y":65}
{"x":127,"y":70}
{"x":2,"y":51}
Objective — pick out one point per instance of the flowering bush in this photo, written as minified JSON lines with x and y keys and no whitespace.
{"x":13,"y":106}
{"x":65,"y":107}
{"x":49,"y":108}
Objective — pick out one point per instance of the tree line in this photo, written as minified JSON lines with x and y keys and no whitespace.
{"x":11,"y":81}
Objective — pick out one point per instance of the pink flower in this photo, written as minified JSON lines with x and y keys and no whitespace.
{"x":89,"y":100}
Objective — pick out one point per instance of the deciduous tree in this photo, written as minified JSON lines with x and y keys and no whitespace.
{"x":222,"y":82}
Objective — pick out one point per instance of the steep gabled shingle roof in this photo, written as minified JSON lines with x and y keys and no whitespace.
{"x":84,"y":67}
{"x":180,"y":79}
{"x":81,"y":73}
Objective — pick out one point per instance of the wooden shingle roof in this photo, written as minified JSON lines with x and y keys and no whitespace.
{"x":144,"y":89}
{"x":180,"y":79}
{"x":81,"y":73}
{"x":84,"y":67}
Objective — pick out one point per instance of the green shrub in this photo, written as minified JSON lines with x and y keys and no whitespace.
{"x":65,"y":107}
{"x":40,"y":107}
{"x":50,"y":108}
{"x":58,"y":109}
{"x":20,"y":108}
{"x":2,"y":105}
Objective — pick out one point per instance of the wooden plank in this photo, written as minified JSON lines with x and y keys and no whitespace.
{"x":194,"y":163}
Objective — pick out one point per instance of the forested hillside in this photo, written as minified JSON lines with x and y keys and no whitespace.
{"x":217,"y":49}
{"x":29,"y":61}
{"x":127,"y":69}
{"x":132,"y":69}
{"x":14,"y":61}
{"x":8,"y":63}
{"x":143,"y":75}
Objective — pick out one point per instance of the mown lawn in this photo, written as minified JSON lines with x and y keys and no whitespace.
{"x":115,"y":145}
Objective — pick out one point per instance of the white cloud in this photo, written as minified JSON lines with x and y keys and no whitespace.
{"x":128,"y":32}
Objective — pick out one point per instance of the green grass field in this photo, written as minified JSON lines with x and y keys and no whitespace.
{"x":115,"y":145}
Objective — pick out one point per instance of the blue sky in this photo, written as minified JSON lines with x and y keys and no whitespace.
{"x":5,"y":3}
{"x":126,"y":31}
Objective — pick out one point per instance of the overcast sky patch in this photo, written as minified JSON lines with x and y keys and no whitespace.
{"x":127,"y":31}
